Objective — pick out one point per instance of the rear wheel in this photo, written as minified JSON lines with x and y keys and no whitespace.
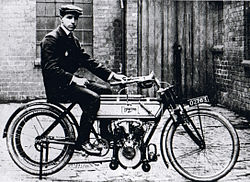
{"x":25,"y":147}
{"x":205,"y":163}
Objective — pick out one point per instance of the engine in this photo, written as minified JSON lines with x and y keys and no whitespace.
{"x":129,"y":134}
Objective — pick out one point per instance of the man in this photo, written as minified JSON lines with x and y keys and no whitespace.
{"x":61,"y":56}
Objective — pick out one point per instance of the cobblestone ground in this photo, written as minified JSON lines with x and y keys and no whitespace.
{"x":101,"y":172}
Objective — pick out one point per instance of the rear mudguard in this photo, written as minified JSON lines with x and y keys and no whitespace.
{"x":31,"y":104}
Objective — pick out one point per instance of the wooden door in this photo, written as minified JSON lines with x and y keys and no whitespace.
{"x":175,"y":41}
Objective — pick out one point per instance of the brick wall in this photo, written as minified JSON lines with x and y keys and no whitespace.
{"x":18,"y":78}
{"x":131,"y":37}
{"x":108,"y":35}
{"x":107,"y":32}
{"x":232,"y":78}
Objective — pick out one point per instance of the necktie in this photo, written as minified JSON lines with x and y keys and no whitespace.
{"x":71,"y":38}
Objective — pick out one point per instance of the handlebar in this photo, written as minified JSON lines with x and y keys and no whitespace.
{"x":131,"y":80}
{"x":142,"y":79}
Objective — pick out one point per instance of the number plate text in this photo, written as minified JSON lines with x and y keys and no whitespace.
{"x":198,"y":100}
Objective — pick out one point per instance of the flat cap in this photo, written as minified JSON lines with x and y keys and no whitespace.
{"x":69,"y":8}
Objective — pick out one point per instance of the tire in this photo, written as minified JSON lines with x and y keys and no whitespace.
{"x":22,"y":145}
{"x":209,"y":164}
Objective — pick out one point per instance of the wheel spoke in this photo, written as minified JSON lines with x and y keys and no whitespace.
{"x":36,"y":130}
{"x":25,"y":147}
{"x":213,"y":161}
{"x":39,"y":123}
{"x":185,"y":155}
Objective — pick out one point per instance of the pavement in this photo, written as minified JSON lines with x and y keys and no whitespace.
{"x":81,"y":169}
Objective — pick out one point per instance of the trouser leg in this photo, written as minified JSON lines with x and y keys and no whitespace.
{"x":104,"y":124}
{"x":84,"y":130}
{"x":89,"y":101}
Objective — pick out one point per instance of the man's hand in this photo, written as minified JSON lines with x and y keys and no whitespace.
{"x":80,"y":81}
{"x":119,"y":77}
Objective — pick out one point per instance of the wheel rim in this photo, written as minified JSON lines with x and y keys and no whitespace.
{"x":24,"y":149}
{"x":210,"y":163}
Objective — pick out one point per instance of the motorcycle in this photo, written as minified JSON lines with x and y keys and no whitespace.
{"x":201,"y":144}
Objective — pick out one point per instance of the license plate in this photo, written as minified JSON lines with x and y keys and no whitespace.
{"x":198,"y":100}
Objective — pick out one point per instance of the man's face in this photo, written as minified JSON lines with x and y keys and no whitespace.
{"x":69,"y":21}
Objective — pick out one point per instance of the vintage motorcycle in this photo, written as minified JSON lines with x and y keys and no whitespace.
{"x":200,"y":144}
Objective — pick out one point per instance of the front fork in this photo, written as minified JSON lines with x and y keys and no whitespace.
{"x":182,"y":118}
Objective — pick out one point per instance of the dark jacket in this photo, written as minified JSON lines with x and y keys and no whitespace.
{"x":60,"y":59}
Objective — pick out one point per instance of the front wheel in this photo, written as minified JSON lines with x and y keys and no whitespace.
{"x":201,"y":163}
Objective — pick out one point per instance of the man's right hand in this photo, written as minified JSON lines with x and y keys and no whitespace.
{"x":119,"y":77}
{"x":80,"y":81}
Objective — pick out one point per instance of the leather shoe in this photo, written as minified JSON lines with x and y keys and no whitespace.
{"x":88,"y":148}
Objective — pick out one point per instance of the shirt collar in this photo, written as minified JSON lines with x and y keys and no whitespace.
{"x":65,"y":30}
